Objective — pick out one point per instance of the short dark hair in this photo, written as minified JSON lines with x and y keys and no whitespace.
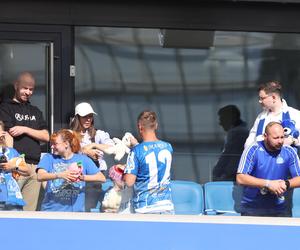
{"x":271,"y":87}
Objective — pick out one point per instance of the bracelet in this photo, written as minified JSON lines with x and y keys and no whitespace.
{"x":265,"y":189}
{"x":56,"y":176}
{"x":267,"y":183}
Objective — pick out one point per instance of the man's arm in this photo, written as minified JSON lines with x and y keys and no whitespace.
{"x":275,"y":186}
{"x":129,"y":179}
{"x":38,"y":134}
{"x":249,"y":180}
{"x":294,"y":182}
{"x":6,"y":116}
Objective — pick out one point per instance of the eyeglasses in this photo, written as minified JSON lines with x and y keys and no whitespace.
{"x":261,"y":98}
{"x":56,"y":143}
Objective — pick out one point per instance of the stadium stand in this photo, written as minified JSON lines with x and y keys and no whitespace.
{"x":222,"y":198}
{"x":187,"y":197}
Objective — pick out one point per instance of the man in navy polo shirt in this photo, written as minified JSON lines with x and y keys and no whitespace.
{"x":268,"y":169}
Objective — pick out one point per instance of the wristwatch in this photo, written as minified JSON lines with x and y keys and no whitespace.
{"x":287,"y":184}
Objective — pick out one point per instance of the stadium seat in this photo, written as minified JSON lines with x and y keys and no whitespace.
{"x":105,"y":186}
{"x":296,"y":203}
{"x":222,"y":198}
{"x":187,"y":197}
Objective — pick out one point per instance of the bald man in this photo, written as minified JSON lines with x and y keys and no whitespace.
{"x":25,"y":123}
{"x":267,"y":169}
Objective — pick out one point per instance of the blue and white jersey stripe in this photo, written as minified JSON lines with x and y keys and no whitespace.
{"x":258,"y":162}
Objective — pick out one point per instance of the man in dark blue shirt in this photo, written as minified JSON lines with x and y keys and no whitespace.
{"x":264,"y":170}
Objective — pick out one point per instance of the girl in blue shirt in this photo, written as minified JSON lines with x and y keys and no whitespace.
{"x":66,"y":172}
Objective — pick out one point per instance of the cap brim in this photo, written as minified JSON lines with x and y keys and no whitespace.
{"x":86,"y":113}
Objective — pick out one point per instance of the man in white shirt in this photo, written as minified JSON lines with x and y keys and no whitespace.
{"x":275,"y":109}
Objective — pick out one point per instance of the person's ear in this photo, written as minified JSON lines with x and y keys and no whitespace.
{"x":67,"y":145}
{"x":265,"y":135}
{"x":140,"y":127}
{"x":15,"y":86}
{"x":274,"y":96}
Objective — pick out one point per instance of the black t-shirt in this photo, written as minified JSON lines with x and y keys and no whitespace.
{"x":23,"y":114}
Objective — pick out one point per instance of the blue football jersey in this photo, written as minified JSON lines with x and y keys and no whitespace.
{"x":151,"y":162}
{"x":257,"y":161}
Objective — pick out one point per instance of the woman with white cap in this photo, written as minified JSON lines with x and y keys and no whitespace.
{"x":92,"y":139}
{"x":93,"y":143}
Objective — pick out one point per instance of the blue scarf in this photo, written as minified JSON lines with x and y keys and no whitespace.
{"x":14,"y":195}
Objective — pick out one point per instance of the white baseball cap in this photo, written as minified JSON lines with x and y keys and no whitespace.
{"x":83,"y":109}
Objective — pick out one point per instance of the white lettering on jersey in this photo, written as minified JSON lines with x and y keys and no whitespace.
{"x":165,"y":157}
{"x":20,"y":117}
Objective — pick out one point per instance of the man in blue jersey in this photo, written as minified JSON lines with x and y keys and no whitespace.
{"x":148,"y":169}
{"x":268,"y":169}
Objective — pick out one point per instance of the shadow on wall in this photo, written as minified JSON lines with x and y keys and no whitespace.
{"x":7,"y":92}
{"x":236,"y":135}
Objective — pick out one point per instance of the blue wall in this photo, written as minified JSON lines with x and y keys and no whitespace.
{"x":48,"y":231}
